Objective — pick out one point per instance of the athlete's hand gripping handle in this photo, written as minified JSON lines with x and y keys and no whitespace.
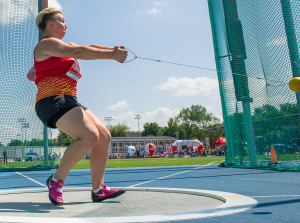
{"x":120,"y":53}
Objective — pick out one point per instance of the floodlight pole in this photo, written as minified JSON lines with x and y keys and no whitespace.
{"x":138,"y":117}
{"x":108,"y":119}
{"x":21,"y":121}
{"x":25,"y":126}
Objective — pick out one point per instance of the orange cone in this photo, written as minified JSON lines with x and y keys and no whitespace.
{"x":273,"y":155}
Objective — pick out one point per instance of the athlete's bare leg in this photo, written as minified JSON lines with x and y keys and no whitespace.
{"x":78,"y":124}
{"x":91,"y":134}
{"x":100,"y":152}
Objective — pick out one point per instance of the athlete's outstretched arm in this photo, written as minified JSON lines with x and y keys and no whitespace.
{"x":57,"y":48}
{"x":96,"y":46}
{"x":100,"y":47}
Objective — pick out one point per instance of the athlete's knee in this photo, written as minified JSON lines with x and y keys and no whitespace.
{"x":91,"y":137}
{"x":104,"y":136}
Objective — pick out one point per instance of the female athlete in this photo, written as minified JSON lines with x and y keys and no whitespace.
{"x":56,"y":73}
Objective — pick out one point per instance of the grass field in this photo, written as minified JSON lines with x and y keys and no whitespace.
{"x":146,"y":162}
{"x":20,"y":164}
{"x":115,"y":163}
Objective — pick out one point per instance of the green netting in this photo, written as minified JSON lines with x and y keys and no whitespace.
{"x":256,"y":50}
{"x":20,"y":129}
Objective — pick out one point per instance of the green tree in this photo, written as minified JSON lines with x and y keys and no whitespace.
{"x":34,"y":142}
{"x":187,"y":130}
{"x":172,"y":129}
{"x":266,"y":112}
{"x":63,"y":139}
{"x":193,"y":120}
{"x":120,"y":130}
{"x":68,"y":140}
{"x":198,"y":115}
{"x":1,"y":144}
{"x":15,"y":142}
{"x":212,"y":135}
{"x":289,"y":109}
{"x":50,"y":142}
{"x":151,"y":129}
{"x":276,"y":125}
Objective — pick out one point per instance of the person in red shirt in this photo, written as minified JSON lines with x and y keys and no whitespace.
{"x":56,"y":72}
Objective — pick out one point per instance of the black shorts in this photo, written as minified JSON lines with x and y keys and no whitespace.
{"x":52,"y":108}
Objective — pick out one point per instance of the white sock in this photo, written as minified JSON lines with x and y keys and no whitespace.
{"x":53,"y":179}
{"x":97,"y":190}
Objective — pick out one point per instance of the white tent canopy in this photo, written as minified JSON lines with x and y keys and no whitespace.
{"x":194,"y":142}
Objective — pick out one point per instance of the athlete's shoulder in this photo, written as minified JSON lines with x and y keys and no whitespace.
{"x":50,"y":40}
{"x":72,"y":44}
{"x":48,"y":44}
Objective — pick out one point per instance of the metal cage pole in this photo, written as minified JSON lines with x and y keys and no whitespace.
{"x":238,"y":55}
{"x":229,"y":155}
{"x":44,"y":4}
{"x":291,"y":41}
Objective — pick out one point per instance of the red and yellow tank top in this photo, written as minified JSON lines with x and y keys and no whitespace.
{"x":56,"y":76}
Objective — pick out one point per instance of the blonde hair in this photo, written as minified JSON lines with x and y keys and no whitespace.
{"x":44,"y":16}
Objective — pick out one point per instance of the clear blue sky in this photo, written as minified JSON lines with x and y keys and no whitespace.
{"x":172,"y":30}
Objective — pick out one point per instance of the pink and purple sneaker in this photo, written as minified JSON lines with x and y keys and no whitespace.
{"x":106,"y":193}
{"x":55,"y":191}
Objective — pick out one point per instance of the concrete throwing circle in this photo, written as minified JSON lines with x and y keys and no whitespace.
{"x":138,"y":204}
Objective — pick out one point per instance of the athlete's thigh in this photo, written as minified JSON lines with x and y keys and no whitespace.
{"x":76,"y":123}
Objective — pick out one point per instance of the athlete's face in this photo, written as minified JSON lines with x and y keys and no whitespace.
{"x":59,"y":25}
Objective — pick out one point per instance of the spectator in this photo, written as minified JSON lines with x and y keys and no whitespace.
{"x":5,"y":156}
{"x":160,"y":149}
{"x":145,"y":153}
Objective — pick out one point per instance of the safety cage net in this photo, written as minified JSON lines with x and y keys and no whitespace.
{"x":257,"y":46}
{"x":23,"y":138}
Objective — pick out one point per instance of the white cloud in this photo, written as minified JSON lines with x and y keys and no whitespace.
{"x":155,"y":9}
{"x":124,"y":117}
{"x":160,"y":115}
{"x":186,"y":86}
{"x":160,"y":3}
{"x":120,"y":105}
{"x":209,"y":107}
{"x":127,"y":118}
{"x":54,"y":4}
